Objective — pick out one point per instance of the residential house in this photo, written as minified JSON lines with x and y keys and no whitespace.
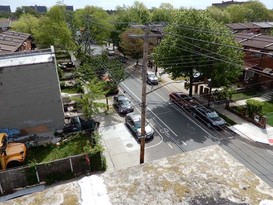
{"x":30,"y":91}
{"x":4,"y":24}
{"x":5,"y":9}
{"x":11,"y":41}
{"x":258,"y":49}
{"x":251,"y":27}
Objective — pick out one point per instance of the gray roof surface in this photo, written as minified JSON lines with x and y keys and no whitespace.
{"x":255,"y":41}
{"x":264,"y":24}
{"x":26,"y":58}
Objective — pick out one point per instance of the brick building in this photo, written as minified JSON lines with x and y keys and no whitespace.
{"x":258,"y":49}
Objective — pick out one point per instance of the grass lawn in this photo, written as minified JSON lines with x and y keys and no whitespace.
{"x":72,"y":146}
{"x":70,"y":90}
{"x":246,"y":94}
{"x":270,"y":119}
{"x":268,"y":111}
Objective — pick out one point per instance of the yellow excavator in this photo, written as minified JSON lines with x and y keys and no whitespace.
{"x":11,"y":153}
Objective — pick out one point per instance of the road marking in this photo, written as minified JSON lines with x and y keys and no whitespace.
{"x":270,"y":152}
{"x":184,"y":142}
{"x":170,"y":145}
{"x":151,"y":111}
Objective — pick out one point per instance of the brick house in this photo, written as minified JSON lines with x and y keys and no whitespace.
{"x":258,"y":49}
{"x":30,"y":91}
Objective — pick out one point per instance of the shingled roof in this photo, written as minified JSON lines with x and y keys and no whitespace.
{"x":10,"y":41}
{"x":255,"y":41}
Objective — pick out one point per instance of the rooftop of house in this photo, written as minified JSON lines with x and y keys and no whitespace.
{"x":25,"y":58}
{"x":250,"y":25}
{"x":10,"y":41}
{"x":255,"y":41}
{"x":204,"y":176}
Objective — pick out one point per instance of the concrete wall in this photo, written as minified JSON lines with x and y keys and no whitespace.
{"x":30,"y":96}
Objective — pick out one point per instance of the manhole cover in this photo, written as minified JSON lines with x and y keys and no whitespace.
{"x":129,"y":145}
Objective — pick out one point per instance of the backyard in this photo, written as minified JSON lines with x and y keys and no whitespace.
{"x":77,"y":143}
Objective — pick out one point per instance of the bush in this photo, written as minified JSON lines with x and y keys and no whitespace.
{"x":253,"y":107}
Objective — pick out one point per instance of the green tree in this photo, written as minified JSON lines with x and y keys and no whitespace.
{"x":220,"y":15}
{"x":94,"y":90}
{"x":25,"y":10}
{"x":238,"y":13}
{"x":94,"y":24}
{"x":53,"y":30}
{"x":125,"y":16}
{"x":163,"y":13}
{"x":139,"y":13}
{"x":258,"y":12}
{"x":252,"y":11}
{"x":195,"y":41}
{"x":132,"y":46}
{"x":27,"y":23}
{"x":100,"y":67}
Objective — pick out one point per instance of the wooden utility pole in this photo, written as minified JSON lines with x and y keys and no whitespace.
{"x":145,"y":37}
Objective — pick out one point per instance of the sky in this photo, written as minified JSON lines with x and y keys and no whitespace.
{"x":112,"y":4}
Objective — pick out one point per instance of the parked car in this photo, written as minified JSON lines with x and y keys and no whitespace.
{"x":122,"y":104}
{"x":208,"y":116}
{"x":77,"y":124}
{"x":152,"y":79}
{"x":133,"y":121}
{"x":182,"y":100}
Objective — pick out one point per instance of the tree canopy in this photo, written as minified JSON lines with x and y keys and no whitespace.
{"x":27,"y":23}
{"x":250,"y":11}
{"x":94,"y":25}
{"x":163,"y":13}
{"x":53,"y":30}
{"x":195,"y":41}
{"x":132,"y":46}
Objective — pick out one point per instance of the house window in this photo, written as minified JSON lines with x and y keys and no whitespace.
{"x":256,"y":54}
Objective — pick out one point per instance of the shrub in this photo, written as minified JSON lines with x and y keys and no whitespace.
{"x":254,"y":107}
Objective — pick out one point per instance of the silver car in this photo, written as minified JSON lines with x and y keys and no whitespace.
{"x":133,"y":121}
{"x":152,"y":79}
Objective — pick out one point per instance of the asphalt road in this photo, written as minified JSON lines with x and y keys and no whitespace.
{"x":177,"y":131}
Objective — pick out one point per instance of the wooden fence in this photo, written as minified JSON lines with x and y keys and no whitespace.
{"x":51,"y":172}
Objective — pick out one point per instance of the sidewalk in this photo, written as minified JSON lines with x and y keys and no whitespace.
{"x":243,"y":127}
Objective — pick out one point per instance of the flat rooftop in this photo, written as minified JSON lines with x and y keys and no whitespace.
{"x":26,"y":58}
{"x":205,"y":176}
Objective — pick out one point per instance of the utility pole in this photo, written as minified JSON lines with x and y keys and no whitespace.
{"x":145,"y":37}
